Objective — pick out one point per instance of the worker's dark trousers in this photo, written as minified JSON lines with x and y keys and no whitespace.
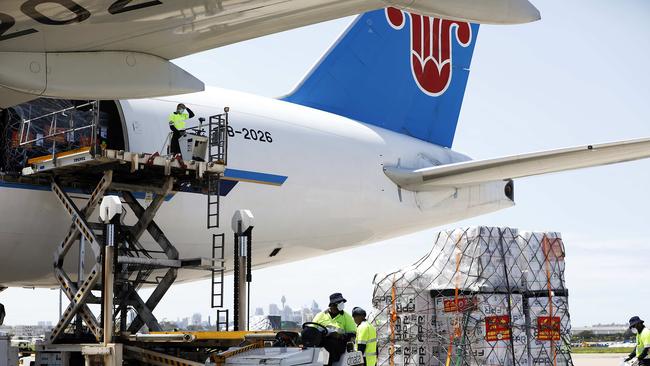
{"x":335,"y":347}
{"x":175,"y":146}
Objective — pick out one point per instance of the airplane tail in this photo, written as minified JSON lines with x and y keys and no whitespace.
{"x":400,"y":71}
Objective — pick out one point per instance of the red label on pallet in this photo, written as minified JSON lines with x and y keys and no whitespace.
{"x":553,"y":249}
{"x":463,"y":304}
{"x":548,"y":328}
{"x":497,"y":328}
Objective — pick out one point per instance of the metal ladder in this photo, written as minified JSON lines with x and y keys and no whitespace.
{"x":218,"y":244}
{"x":219,"y":263}
{"x":218,"y":138}
{"x":217,"y":153}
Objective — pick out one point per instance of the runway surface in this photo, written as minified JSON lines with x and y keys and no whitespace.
{"x":595,"y":359}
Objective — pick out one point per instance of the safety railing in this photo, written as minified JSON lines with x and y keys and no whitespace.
{"x":65,"y":129}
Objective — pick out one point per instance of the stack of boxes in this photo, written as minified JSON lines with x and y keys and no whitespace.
{"x":482,"y":296}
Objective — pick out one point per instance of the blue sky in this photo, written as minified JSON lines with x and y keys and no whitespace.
{"x":578,"y":76}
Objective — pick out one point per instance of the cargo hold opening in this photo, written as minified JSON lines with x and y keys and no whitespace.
{"x":45,"y":126}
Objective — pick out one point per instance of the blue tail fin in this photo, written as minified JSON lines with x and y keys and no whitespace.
{"x":400,"y":71}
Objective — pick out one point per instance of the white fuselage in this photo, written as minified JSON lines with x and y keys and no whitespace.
{"x":327,"y":192}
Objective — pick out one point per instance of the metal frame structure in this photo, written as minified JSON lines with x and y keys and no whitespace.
{"x":217,"y":153}
{"x":55,"y":130}
{"x":134,"y":264}
{"x":123,"y":261}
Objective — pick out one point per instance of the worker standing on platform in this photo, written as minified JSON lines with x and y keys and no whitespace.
{"x":177,"y":125}
{"x":2,"y":314}
{"x":340,"y":325}
{"x":366,"y":340}
{"x":642,"y":341}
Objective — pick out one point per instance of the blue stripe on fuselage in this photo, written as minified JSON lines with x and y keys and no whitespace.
{"x":254,"y":177}
{"x":229,"y":180}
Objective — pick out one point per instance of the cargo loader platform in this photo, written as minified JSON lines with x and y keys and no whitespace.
{"x":81,"y":169}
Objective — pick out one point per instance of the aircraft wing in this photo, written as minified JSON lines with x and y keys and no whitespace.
{"x":518,"y":166}
{"x":109,"y":49}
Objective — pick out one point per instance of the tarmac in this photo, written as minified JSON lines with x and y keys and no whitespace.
{"x":597,"y":359}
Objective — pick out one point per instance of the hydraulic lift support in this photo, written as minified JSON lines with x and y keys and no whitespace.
{"x":133,"y":265}
{"x":123,"y":260}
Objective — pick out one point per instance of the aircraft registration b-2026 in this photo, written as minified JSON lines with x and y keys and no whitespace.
{"x":358,"y":152}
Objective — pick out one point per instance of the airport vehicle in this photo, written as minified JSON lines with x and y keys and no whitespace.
{"x":360,"y":151}
{"x":304,"y":348}
{"x":27,"y":361}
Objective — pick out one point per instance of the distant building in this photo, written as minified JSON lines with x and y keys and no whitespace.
{"x":315,"y":309}
{"x":196,"y":319}
{"x":259,"y":311}
{"x":601,"y":329}
{"x":274,"y":309}
{"x":287,"y":313}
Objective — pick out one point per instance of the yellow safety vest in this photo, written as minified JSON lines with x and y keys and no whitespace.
{"x":343,"y":321}
{"x":178,"y":120}
{"x":367,"y":334}
{"x":642,"y":341}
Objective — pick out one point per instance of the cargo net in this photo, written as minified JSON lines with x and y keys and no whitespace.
{"x":48,"y":126}
{"x":482,"y":296}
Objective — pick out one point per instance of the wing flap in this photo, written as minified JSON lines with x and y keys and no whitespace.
{"x":518,"y":166}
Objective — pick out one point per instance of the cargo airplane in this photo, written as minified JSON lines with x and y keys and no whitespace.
{"x":359,"y":151}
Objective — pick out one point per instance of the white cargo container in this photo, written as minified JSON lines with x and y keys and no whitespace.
{"x":475,"y":259}
{"x":484,"y":329}
{"x":549,"y":330}
{"x":413,"y":339}
{"x":542,"y":260}
{"x":420,"y":320}
{"x":8,"y":354}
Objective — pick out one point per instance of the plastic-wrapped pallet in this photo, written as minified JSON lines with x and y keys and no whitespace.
{"x":473,"y":259}
{"x":409,"y":337}
{"x":416,"y":309}
{"x":541,"y":260}
{"x":549,"y":328}
{"x":481,"y":329}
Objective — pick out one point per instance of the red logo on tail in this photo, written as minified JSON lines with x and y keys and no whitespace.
{"x":431,"y":45}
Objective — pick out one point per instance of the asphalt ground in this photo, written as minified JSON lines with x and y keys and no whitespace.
{"x":597,"y":359}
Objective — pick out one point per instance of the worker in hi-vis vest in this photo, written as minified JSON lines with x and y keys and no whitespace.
{"x":366,"y":340}
{"x":340,"y":325}
{"x":177,"y":125}
{"x":642,"y":341}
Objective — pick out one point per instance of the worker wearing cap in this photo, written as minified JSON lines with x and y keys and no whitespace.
{"x":177,"y":125}
{"x":340,"y":324}
{"x":642,"y":341}
{"x":366,"y":339}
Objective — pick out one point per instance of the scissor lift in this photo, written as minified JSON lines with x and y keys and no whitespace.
{"x":99,"y":172}
{"x":135,"y":263}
